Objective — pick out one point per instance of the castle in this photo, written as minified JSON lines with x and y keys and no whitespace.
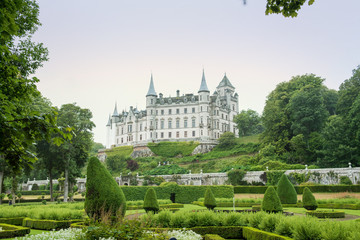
{"x":189,"y":117}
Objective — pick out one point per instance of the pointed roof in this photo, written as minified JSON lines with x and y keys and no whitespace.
{"x":203,"y":86}
{"x":151,"y":91}
{"x":109,"y":121}
{"x":115,"y":114}
{"x":225,"y":82}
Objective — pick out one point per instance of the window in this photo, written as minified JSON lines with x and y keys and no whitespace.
{"x":185,"y":110}
{"x":226,"y":117}
{"x":201,"y":109}
{"x":177,"y":123}
{"x":214,"y":112}
{"x":156,"y":124}
{"x":169,"y":134}
{"x":150,"y":134}
{"x":201,"y":132}
{"x":140,"y":127}
{"x":117,"y":131}
{"x":156,"y":135}
{"x":122,"y":130}
{"x":162,"y":124}
{"x":129,"y":128}
{"x":177,"y":134}
{"x":185,"y":134}
{"x":169,"y":124}
{"x":193,"y":110}
{"x":140,"y":137}
{"x":185,"y":123}
{"x":151,"y":111}
{"x":233,"y":107}
{"x":157,"y":112}
{"x":208,"y":98}
{"x":222,"y":116}
{"x":193,"y":133}
{"x":162,"y":112}
{"x":177,"y":111}
{"x":200,"y":98}
{"x":169,"y":111}
{"x":162,"y":135}
{"x":151,"y":101}
{"x":193,"y":122}
{"x":201,"y":120}
{"x":122,"y":140}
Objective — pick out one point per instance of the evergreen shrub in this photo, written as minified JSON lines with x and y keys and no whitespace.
{"x":271,"y":201}
{"x":11,"y":231}
{"x":103,"y":194}
{"x":326,"y":214}
{"x":209,"y":199}
{"x":250,"y":233}
{"x":150,"y":201}
{"x":286,"y":191}
{"x":308,"y":199}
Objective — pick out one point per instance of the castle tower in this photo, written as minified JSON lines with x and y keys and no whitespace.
{"x":150,"y":108}
{"x":204,"y":108}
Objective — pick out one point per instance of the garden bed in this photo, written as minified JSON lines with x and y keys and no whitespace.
{"x":326,"y":214}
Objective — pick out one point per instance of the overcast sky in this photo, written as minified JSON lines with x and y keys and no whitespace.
{"x":102,"y":52}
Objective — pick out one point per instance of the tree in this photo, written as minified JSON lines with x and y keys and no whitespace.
{"x":248,"y":122}
{"x":271,"y":201}
{"x":103,"y":195}
{"x":309,"y":201}
{"x":209,"y":199}
{"x":349,"y":90}
{"x":226,"y":140}
{"x":288,"y":8}
{"x":286,"y":191}
{"x":236,"y":176}
{"x":150,"y":201}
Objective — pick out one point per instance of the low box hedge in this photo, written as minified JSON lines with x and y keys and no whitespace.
{"x":78,"y":225}
{"x":47,"y":224}
{"x":213,"y":237}
{"x":11,"y":231}
{"x":250,"y":233}
{"x":299,"y":189}
{"x":326,"y":214}
{"x":170,"y":205}
{"x":13,"y":221}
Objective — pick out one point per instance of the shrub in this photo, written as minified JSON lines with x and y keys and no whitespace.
{"x":209,"y":199}
{"x":150,"y":201}
{"x":35,"y":187}
{"x":10,"y":231}
{"x":227,"y":140}
{"x":273,"y":177}
{"x":326,"y":214}
{"x":271,"y":201}
{"x":345,"y":180}
{"x":286,"y":191}
{"x":102,"y":192}
{"x":236,"y":177}
{"x":308,"y":199}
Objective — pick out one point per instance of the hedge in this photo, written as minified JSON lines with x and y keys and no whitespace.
{"x":13,"y":221}
{"x":326,"y":214}
{"x":183,"y":194}
{"x":170,"y":205}
{"x":250,"y":233}
{"x":299,"y":189}
{"x":11,"y":231}
{"x":173,"y":149}
{"x":78,"y":225}
{"x":47,"y":224}
{"x":213,"y":237}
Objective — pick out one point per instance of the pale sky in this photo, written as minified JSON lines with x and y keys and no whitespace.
{"x":102,"y":52}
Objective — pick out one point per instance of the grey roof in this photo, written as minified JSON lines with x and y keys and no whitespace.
{"x":115,"y":114}
{"x":225,"y":82}
{"x":151,"y":91}
{"x":109,"y":121}
{"x":203,"y":86}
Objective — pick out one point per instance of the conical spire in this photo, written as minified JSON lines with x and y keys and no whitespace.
{"x":203,"y":86}
{"x":109,"y":121}
{"x":115,"y":114}
{"x":225,"y":82}
{"x":151,"y":91}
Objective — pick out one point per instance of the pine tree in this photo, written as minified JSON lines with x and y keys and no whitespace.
{"x":309,"y":201}
{"x":150,"y":201}
{"x":103,"y":195}
{"x":286,"y":191}
{"x":271,"y":201}
{"x":209,"y":199}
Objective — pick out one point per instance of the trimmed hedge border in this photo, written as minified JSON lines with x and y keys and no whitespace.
{"x":213,"y":237}
{"x":13,"y":221}
{"x":326,"y":214}
{"x":250,"y":233}
{"x":47,"y":224}
{"x":11,"y":231}
{"x":170,"y":205}
{"x":78,"y":225}
{"x":299,"y":189}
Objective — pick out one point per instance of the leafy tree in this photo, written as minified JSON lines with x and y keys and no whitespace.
{"x":227,"y":140}
{"x":150,"y":201}
{"x":248,"y":122}
{"x":271,"y":201}
{"x":95,"y":148}
{"x":349,"y":90}
{"x":236,"y":176}
{"x":103,"y":194}
{"x":288,"y":8}
{"x":286,"y":191}
{"x":209,"y":199}
{"x":309,"y":201}
{"x":132,"y":165}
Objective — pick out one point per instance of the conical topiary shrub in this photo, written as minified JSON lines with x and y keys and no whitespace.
{"x":286,"y":191}
{"x":150,"y":201}
{"x":103,"y":195}
{"x":271,"y":201}
{"x":209,"y":199}
{"x":309,"y":201}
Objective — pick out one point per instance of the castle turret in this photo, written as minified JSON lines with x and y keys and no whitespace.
{"x":151,"y":94}
{"x":204,"y":105}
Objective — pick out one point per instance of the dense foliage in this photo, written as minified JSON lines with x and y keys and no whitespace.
{"x":248,"y":122}
{"x":103,"y":194}
{"x":271,"y":202}
{"x":286,"y":191}
{"x":173,"y":149}
{"x":235,"y":177}
{"x":167,"y":170}
{"x":150,"y":201}
{"x":209,"y":199}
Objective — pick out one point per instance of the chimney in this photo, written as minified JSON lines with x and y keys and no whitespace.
{"x":177,"y":93}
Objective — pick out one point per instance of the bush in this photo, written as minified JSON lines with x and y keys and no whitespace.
{"x":209,"y":199}
{"x":250,"y":233}
{"x":345,"y":180}
{"x":103,"y":194}
{"x":11,"y":231}
{"x":271,"y":201}
{"x":35,"y":187}
{"x":308,"y":199}
{"x":227,"y":140}
{"x":286,"y":191}
{"x":150,"y":201}
{"x":326,"y":214}
{"x":236,"y":177}
{"x":47,"y":224}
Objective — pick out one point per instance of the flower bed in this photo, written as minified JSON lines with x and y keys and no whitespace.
{"x":326,"y":214}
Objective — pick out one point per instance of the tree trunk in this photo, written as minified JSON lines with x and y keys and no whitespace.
{"x":66,"y":184}
{"x":71,"y":189}
{"x":1,"y":184}
{"x":51,"y":187}
{"x":13,"y":189}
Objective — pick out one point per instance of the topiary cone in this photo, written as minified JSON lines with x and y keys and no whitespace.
{"x":103,"y":195}
{"x":150,"y":201}
{"x":286,"y":191}
{"x":209,"y":199}
{"x":271,"y":201}
{"x":309,"y":201}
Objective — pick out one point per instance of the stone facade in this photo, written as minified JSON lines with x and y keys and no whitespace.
{"x":188,"y":117}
